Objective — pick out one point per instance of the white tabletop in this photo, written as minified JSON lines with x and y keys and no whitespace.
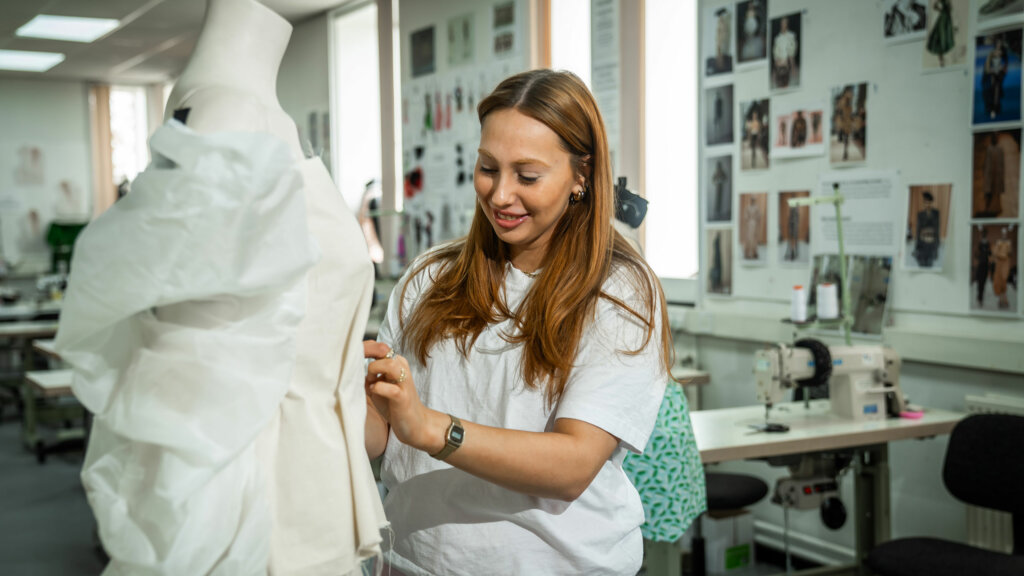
{"x":28,"y":329}
{"x":51,"y":382}
{"x":46,"y":347}
{"x":725,"y":434}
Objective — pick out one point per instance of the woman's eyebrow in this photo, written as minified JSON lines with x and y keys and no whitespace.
{"x":520,"y":162}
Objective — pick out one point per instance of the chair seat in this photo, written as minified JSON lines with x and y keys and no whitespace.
{"x":936,"y":557}
{"x":727,"y":491}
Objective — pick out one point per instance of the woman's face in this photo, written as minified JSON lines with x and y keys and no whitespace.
{"x":523,"y":181}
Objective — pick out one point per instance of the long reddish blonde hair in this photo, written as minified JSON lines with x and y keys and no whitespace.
{"x":465,"y":296}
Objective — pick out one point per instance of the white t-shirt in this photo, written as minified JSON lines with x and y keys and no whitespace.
{"x":447,"y":521}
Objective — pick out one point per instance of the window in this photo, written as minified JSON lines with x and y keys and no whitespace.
{"x":570,"y":37}
{"x":672,"y":242}
{"x":129,"y":131}
{"x":356,"y":101}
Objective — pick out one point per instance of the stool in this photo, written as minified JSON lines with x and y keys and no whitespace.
{"x":726,"y":491}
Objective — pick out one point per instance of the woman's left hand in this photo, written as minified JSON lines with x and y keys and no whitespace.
{"x":389,"y":381}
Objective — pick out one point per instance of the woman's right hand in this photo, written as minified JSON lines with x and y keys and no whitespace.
{"x":373,"y":350}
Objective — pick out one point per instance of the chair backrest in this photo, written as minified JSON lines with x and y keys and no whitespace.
{"x":985,"y":462}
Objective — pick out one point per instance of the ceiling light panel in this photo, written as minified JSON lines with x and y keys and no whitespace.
{"x":69,"y":28}
{"x":26,"y":61}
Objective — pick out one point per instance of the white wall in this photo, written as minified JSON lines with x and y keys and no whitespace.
{"x":52,"y":116}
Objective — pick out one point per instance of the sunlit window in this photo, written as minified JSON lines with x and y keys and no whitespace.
{"x":671,"y":138}
{"x":128,"y":132}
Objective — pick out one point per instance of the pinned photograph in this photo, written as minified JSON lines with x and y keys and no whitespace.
{"x":460,"y":40}
{"x":997,"y":77}
{"x":752,"y":31}
{"x":719,"y":261}
{"x":718,"y":195}
{"x":995,"y":13}
{"x":794,"y":230}
{"x":718,"y":115}
{"x":717,"y":48}
{"x":848,"y":143}
{"x":945,"y":44}
{"x":422,"y":45}
{"x":754,"y":228}
{"x":996,"y":174}
{"x":995,"y":279}
{"x":927,"y":227}
{"x":504,"y":28}
{"x":798,"y":132}
{"x":785,"y":46}
{"x":755,"y":118}
{"x":869,"y":283}
{"x":905,"y":20}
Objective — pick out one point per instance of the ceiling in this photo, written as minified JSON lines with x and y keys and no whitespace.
{"x":152,"y":44}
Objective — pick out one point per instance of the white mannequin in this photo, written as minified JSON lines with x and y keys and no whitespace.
{"x":325,"y":509}
{"x":230,"y":82}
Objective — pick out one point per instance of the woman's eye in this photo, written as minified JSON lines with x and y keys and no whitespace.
{"x":528,"y":179}
{"x":488,"y":170}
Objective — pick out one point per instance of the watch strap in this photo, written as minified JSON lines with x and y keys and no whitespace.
{"x":452,"y":441}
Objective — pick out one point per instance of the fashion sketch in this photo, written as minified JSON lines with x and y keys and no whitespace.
{"x":946,"y":41}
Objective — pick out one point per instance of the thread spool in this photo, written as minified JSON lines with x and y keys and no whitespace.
{"x":828,"y":301}
{"x":798,"y":304}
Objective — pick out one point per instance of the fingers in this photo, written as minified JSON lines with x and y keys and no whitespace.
{"x":376,"y":350}
{"x":386,"y":390}
{"x":395,"y":370}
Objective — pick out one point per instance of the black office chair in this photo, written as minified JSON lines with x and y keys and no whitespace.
{"x":984,"y":467}
{"x":725,"y":491}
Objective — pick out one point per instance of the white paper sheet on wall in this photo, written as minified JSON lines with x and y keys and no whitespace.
{"x":872,"y":214}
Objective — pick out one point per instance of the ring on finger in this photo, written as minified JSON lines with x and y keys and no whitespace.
{"x":401,"y":376}
{"x":390,"y":354}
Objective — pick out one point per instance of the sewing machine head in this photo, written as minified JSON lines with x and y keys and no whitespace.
{"x":863,"y":380}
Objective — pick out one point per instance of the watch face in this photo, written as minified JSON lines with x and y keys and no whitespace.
{"x":456,"y":435}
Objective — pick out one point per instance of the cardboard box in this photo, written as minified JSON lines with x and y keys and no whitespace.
{"x":729,"y":540}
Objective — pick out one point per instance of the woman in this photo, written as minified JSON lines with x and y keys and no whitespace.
{"x":993,"y":74}
{"x":784,"y":54}
{"x":528,"y":356}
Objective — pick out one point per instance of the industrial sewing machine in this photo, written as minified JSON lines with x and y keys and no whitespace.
{"x":863,"y":381}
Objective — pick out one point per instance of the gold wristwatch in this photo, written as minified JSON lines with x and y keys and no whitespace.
{"x":452,"y":439}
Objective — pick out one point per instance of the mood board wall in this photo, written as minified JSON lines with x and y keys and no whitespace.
{"x":920,"y":128}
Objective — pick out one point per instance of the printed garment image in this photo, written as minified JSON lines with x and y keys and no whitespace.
{"x":996,"y":174}
{"x":945,"y":44}
{"x":718,"y":114}
{"x":995,"y":276}
{"x":997,"y":77}
{"x":755,"y":120}
{"x":848,"y":143}
{"x":904,"y":20}
{"x":927,"y":227}
{"x":753,"y":228}
{"x":717,"y":46}
{"x":785,"y":52}
{"x":751,"y":31}
{"x":794,"y":244}
{"x":718,"y":189}
{"x":718,"y":260}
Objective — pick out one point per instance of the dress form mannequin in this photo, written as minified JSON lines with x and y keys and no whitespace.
{"x":325,"y":510}
{"x":230,"y":82}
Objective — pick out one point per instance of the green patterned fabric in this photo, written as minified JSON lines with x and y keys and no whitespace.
{"x":669,"y":474}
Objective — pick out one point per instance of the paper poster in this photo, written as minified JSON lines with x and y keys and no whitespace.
{"x":945,"y":45}
{"x":998,"y":13}
{"x":904,"y":20}
{"x":506,"y":41}
{"x":872,"y":214}
{"x":996,"y":174}
{"x":719,"y":261}
{"x":848,"y":143}
{"x":794,"y":245}
{"x":461,"y":41}
{"x":717,"y":47}
{"x":995,"y":252}
{"x":718,"y":189}
{"x":753,"y":229}
{"x":928,"y":211}
{"x":422,"y":45}
{"x":997,"y":71}
{"x":755,"y":121}
{"x":785,"y":52}
{"x":751,"y":32}
{"x":718,"y":115}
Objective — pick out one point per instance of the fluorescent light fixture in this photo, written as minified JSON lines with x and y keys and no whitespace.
{"x":26,"y":61}
{"x":68,"y":28}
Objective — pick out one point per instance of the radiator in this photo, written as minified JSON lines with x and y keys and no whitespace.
{"x":988,"y":528}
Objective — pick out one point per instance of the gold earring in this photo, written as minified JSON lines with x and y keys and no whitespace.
{"x":576,"y":196}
